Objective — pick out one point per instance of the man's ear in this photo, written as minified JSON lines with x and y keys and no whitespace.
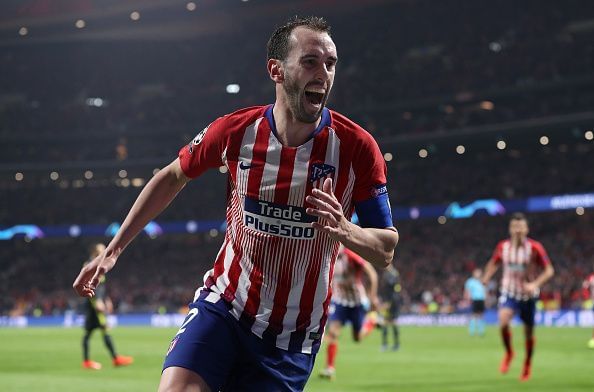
{"x":275,"y":70}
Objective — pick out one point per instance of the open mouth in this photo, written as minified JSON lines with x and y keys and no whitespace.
{"x":314,"y":97}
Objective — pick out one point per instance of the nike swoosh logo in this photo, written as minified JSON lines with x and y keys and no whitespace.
{"x":244,"y":166}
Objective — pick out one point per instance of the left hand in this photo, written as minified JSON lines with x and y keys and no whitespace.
{"x":328,"y":208}
{"x":530,"y":288}
{"x":375,"y":304}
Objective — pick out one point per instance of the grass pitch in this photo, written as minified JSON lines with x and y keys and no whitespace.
{"x":430,"y":359}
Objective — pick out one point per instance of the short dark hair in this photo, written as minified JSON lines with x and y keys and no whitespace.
{"x":518,"y":216}
{"x":278,"y":44}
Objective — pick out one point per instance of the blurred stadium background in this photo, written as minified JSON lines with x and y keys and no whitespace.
{"x":482,"y":108}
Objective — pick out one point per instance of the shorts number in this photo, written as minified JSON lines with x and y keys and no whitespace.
{"x":191,"y":315}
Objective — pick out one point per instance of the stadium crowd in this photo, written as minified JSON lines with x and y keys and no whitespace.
{"x":525,"y":60}
{"x":434,"y":260}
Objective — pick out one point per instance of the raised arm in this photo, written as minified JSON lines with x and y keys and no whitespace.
{"x":156,"y":195}
{"x":375,"y":245}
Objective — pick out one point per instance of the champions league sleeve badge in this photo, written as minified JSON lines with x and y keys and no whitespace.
{"x":196,"y":141}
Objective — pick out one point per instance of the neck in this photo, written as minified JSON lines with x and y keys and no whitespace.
{"x":517,"y":241}
{"x":290,"y":131}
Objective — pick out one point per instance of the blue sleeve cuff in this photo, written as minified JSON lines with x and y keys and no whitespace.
{"x":375,"y":212}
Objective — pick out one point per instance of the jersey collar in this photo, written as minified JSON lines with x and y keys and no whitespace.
{"x":324,"y":122}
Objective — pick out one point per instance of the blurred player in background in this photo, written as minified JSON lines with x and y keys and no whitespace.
{"x":297,"y":171}
{"x":390,"y":292}
{"x":589,"y":285}
{"x":96,"y":311}
{"x":350,"y":301}
{"x":519,"y":290}
{"x":475,"y":291}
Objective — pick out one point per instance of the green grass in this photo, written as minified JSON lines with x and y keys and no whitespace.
{"x":430,"y":359}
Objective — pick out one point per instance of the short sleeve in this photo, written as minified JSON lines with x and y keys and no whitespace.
{"x":370,"y":193}
{"x":497,"y":253}
{"x":205,"y":150}
{"x":540,"y":254}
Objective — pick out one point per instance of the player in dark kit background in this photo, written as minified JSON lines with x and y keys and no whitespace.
{"x":96,"y":310}
{"x":390,"y":293}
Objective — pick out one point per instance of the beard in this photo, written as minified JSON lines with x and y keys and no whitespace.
{"x":296,"y":98}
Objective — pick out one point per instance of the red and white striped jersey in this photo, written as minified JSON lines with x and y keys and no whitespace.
{"x":518,"y":265}
{"x":273,"y":267}
{"x":347,"y":283}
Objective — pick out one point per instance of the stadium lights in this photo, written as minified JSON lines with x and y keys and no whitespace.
{"x":123,"y":173}
{"x":54,"y":175}
{"x":460,"y":149}
{"x":80,"y":24}
{"x":423,"y":153}
{"x":501,"y":145}
{"x":191,"y":6}
{"x":544,"y":140}
{"x":442,"y":220}
{"x":232,"y":88}
{"x":88,"y":174}
{"x":213,"y":233}
{"x":96,"y":102}
{"x":74,"y":231}
{"x":589,"y":135}
{"x":388,"y":156}
{"x":223,"y":169}
{"x":19,"y":176}
{"x":135,"y":15}
{"x":495,"y":47}
{"x":137,"y":182}
{"x":487,"y":105}
{"x":579,"y":211}
{"x":191,"y":226}
{"x":156,"y":170}
{"x":23,"y":31}
{"x":78,"y":184}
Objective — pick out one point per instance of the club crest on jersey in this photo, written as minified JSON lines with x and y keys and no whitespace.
{"x":196,"y":141}
{"x":321,"y":170}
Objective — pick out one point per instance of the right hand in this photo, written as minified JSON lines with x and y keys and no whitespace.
{"x":90,"y":275}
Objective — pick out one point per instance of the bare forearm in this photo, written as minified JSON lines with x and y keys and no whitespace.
{"x":154,"y":198}
{"x":490,"y":270}
{"x":545,"y":275}
{"x":372,"y":276}
{"x":374,"y":245}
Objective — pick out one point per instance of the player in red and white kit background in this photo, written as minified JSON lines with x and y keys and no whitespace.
{"x":350,"y":301}
{"x":519,"y":286}
{"x":588,"y":284}
{"x":297,"y":172}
